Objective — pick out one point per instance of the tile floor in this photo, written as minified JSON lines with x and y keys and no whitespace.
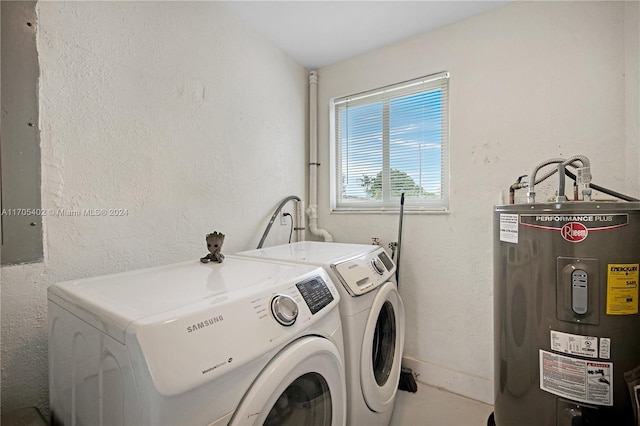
{"x":435,"y":407}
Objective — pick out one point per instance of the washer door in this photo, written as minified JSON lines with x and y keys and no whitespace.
{"x":303,"y":385}
{"x":382,"y":348}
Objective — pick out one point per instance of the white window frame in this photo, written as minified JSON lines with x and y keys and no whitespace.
{"x":392,"y":204}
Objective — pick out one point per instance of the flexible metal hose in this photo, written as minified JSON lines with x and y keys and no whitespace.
{"x":273,"y":218}
{"x":532,"y":178}
{"x":605,"y":190}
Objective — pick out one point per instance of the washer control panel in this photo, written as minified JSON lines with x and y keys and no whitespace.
{"x":378,"y":266}
{"x":315,"y":293}
{"x":284,"y":309}
{"x":364,"y":273}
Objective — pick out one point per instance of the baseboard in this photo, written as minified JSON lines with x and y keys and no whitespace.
{"x":458,"y":382}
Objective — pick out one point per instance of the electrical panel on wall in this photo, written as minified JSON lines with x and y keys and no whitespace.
{"x":21,"y":219}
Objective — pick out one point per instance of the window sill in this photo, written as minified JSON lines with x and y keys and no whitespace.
{"x":383,"y":211}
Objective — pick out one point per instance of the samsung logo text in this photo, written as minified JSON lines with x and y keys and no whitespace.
{"x":204,"y":324}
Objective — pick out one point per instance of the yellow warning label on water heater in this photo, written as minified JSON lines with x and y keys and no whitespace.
{"x":622,"y":289}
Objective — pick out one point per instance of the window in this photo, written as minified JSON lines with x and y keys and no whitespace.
{"x":390,"y":141}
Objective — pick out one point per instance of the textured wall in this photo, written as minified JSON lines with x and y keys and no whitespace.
{"x":182,"y":115}
{"x":529,"y":81}
{"x":175,"y":111}
{"x":632,"y":92}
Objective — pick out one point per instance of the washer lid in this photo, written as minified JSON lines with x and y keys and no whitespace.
{"x":360,"y":268}
{"x":312,"y":252}
{"x":112,"y":302}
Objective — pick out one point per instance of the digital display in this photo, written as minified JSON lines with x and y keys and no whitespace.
{"x":385,"y":259}
{"x":315,"y":293}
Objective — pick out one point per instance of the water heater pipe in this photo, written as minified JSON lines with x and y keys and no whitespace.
{"x":560,"y":196}
{"x":519,"y":185}
{"x":531,"y":194}
{"x":312,"y":210}
{"x":300,"y":228}
{"x":512,"y":189}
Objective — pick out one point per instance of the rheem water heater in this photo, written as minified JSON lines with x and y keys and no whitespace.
{"x":566,"y":322}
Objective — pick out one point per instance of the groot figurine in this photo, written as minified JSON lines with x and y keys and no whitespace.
{"x":214,"y":244}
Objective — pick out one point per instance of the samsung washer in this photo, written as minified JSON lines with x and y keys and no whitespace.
{"x":372,"y":319}
{"x":242,"y":342}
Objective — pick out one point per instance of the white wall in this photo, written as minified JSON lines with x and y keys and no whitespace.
{"x":632,"y":92}
{"x":153,"y":106}
{"x":529,"y":81}
{"x":176,"y":111}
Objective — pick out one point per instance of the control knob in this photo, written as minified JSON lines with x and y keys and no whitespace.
{"x":284,"y":309}
{"x":378,"y":266}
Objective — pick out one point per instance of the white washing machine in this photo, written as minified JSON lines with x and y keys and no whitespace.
{"x":372,"y":320}
{"x":244,"y":342}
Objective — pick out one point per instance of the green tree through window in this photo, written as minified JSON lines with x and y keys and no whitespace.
{"x":400,"y":182}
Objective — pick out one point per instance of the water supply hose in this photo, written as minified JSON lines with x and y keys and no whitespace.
{"x":531,"y":194}
{"x":518,"y":184}
{"x":605,"y":190}
{"x":273,"y":218}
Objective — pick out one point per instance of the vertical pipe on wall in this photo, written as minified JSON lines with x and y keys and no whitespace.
{"x":312,"y":210}
{"x":300,"y":221}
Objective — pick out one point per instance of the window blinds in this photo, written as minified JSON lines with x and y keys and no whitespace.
{"x":393,"y":140}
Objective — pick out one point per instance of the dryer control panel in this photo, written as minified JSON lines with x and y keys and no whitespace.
{"x":364,"y":273}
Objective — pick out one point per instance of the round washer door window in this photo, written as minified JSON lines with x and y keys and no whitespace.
{"x":303,"y":385}
{"x":306,"y":401}
{"x":382,"y":347}
{"x":384,"y":344}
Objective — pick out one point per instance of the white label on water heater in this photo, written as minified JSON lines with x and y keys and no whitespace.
{"x":509,"y":228}
{"x":605,"y":348}
{"x":577,"y":379}
{"x":574,"y":344}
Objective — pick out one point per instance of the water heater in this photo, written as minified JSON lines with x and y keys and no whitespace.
{"x":566,"y":322}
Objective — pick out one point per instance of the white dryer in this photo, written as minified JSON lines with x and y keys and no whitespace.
{"x":242,"y":342}
{"x":372,"y":320}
